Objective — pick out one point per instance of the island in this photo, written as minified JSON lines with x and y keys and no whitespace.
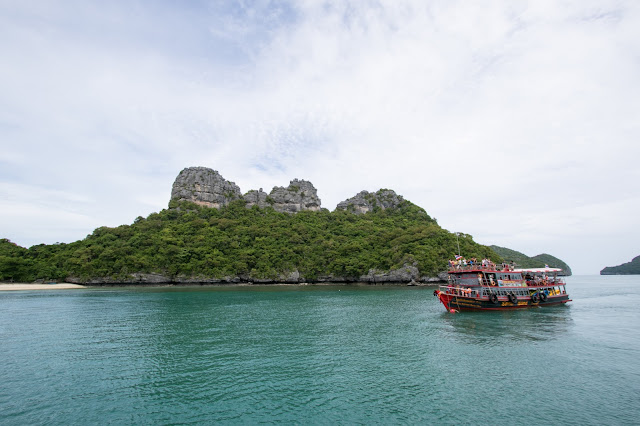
{"x":212,"y":233}
{"x":538,"y":261}
{"x":629,"y":268}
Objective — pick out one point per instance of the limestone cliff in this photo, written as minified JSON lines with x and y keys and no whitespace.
{"x":256,"y":198}
{"x":298,"y":196}
{"x":204,"y":186}
{"x":366,"y":201}
{"x":208,"y":188}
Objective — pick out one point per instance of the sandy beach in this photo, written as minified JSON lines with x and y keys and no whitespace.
{"x":23,"y":286}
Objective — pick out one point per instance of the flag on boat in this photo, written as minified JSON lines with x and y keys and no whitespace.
{"x":458,"y":257}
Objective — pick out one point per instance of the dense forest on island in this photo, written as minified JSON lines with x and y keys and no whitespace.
{"x":250,"y":244}
{"x":629,"y":268}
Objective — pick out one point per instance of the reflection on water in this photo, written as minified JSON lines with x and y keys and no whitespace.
{"x":546,"y":323}
{"x":316,"y":355}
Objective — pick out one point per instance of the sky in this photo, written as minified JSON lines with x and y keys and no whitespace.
{"x":517,"y":122}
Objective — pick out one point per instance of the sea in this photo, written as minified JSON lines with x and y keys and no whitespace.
{"x":317,"y":355}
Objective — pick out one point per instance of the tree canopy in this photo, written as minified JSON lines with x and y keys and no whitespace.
{"x":187,"y":240}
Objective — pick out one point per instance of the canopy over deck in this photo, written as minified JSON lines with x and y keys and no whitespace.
{"x":538,"y":270}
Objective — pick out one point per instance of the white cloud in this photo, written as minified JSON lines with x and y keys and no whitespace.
{"x":515,"y":122}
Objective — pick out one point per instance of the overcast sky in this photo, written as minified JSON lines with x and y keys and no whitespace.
{"x":517,"y":122}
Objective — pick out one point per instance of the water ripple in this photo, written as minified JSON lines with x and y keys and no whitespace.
{"x":312,"y":355}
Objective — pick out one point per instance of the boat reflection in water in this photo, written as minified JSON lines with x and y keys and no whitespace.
{"x":506,"y":327}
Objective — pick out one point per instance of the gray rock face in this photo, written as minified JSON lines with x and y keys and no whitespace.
{"x":407,"y":273}
{"x":207,"y":187}
{"x":366,"y":201}
{"x":298,"y":196}
{"x":256,"y":198}
{"x":204,"y":186}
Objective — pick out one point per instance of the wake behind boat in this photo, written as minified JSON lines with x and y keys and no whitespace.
{"x":484,"y":286}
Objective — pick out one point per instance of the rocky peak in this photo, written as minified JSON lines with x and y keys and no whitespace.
{"x":299,"y":195}
{"x":366,"y":201}
{"x":205,"y":187}
{"x":256,"y":198}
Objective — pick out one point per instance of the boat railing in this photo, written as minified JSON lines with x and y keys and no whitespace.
{"x":475,"y":267}
{"x":541,"y":282}
{"x":546,"y":283}
{"x":460,"y":291}
{"x":485,"y":290}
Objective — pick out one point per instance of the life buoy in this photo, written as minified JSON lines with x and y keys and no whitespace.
{"x":493,"y":298}
{"x":543,"y":296}
{"x":535,"y":298}
{"x":512,"y":298}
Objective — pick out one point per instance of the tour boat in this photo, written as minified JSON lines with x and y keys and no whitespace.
{"x":487,"y":287}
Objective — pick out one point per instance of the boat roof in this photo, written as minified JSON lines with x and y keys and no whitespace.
{"x":538,"y":270}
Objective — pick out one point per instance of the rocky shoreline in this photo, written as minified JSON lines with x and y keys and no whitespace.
{"x":407,"y":275}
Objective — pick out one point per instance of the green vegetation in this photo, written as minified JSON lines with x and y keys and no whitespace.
{"x":188,"y":240}
{"x":524,"y":261}
{"x":14,"y":262}
{"x":629,"y":268}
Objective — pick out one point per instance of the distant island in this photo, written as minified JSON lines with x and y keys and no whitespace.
{"x":629,"y":268}
{"x":524,"y":261}
{"x":213,"y":233}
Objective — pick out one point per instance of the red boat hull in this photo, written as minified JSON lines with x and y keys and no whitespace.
{"x":464,"y":303}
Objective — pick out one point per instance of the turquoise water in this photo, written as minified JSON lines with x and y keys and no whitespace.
{"x":317,"y":355}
